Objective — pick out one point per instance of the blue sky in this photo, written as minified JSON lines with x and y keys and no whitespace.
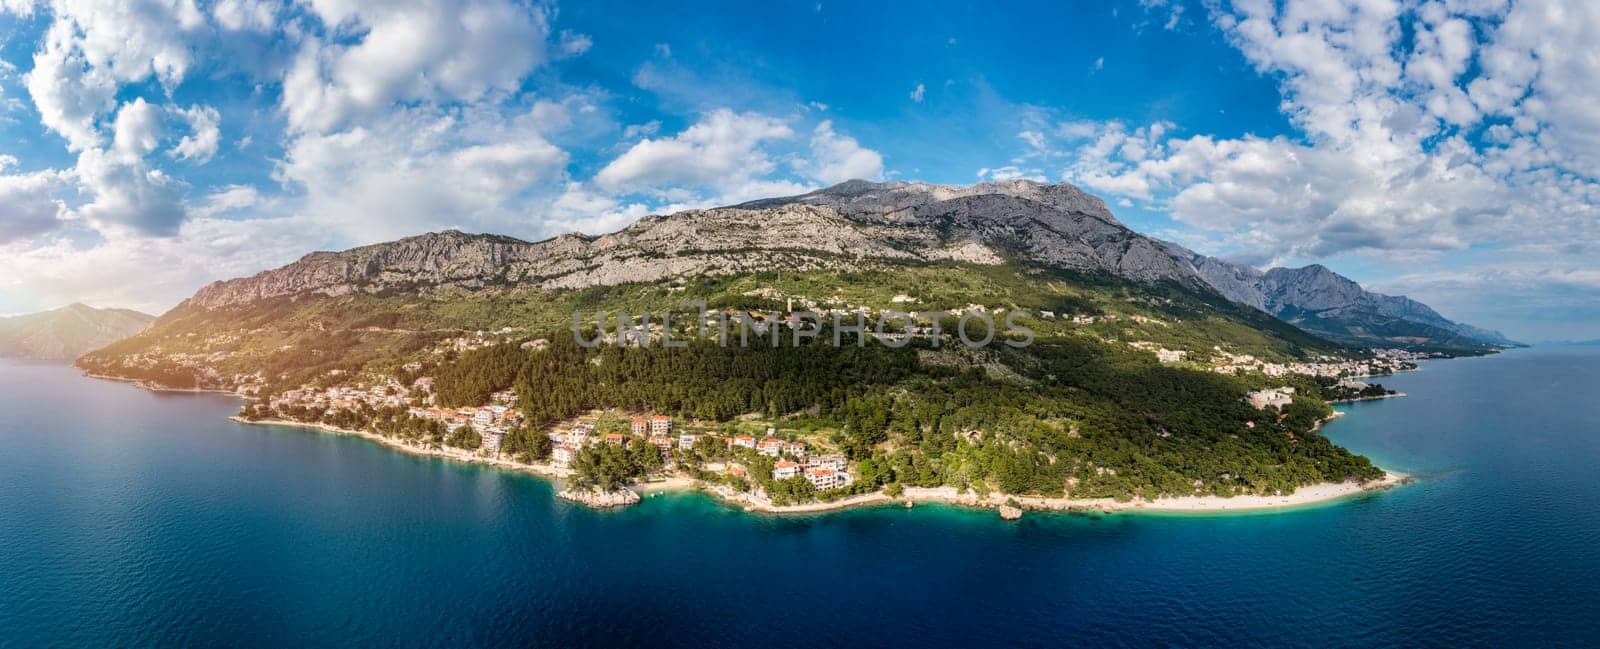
{"x":1442,"y":149}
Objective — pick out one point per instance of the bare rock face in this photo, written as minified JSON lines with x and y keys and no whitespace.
{"x":1010,"y":513}
{"x":849,"y":226}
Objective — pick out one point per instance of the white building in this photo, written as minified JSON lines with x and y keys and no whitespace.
{"x":827,"y":478}
{"x":1275,"y":397}
{"x":564,"y":455}
{"x":770,"y":446}
{"x":797,"y":449}
{"x":492,"y":440}
{"x":785,"y":470}
{"x":686,"y":441}
{"x":581,"y":434}
{"x":834,"y":462}
{"x":660,"y":425}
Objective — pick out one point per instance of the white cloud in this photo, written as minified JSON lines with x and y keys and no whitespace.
{"x":425,"y":169}
{"x":128,"y":195}
{"x":918,"y":93}
{"x":168,"y":268}
{"x":636,"y":130}
{"x":232,"y":198}
{"x":1388,"y":160}
{"x":68,"y":93}
{"x":721,"y":150}
{"x":89,"y":52}
{"x":836,"y":158}
{"x":1010,"y":172}
{"x":572,"y":43}
{"x":137,"y":129}
{"x":247,"y":15}
{"x":409,"y":51}
{"x":403,"y":116}
{"x":204,"y":134}
{"x":28,"y":201}
{"x":1173,"y":9}
{"x":581,"y":209}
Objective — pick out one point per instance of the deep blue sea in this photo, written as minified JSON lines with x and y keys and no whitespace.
{"x":134,"y":519}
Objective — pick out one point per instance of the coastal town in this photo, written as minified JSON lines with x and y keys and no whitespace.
{"x":729,"y":457}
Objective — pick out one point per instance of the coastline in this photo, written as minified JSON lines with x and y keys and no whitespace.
{"x":748,"y":502}
{"x":1304,"y":496}
{"x":543,"y":470}
{"x":161,"y":388}
{"x":1372,"y":398}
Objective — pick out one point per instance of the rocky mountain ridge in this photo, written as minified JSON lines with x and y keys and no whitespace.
{"x":1331,"y":305}
{"x":850,"y":225}
{"x":855,"y":225}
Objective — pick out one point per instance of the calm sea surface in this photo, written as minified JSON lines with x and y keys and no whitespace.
{"x":129,"y":518}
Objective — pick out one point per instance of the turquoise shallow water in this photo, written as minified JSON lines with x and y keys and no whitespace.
{"x":136,"y":519}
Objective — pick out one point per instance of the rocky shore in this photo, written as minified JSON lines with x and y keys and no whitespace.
{"x":600,"y":499}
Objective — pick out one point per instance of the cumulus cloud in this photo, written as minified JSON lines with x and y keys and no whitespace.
{"x":204,"y":134}
{"x":69,"y":94}
{"x":918,"y":93}
{"x":407,"y":51}
{"x":28,"y":201}
{"x":836,"y":158}
{"x":1423,"y":145}
{"x":247,"y":15}
{"x":128,"y":195}
{"x":729,"y":157}
{"x":422,"y":169}
{"x":572,"y":43}
{"x":232,"y":198}
{"x":89,"y":52}
{"x":93,"y":47}
{"x":723,"y":149}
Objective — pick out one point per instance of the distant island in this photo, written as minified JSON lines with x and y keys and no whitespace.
{"x":1140,"y":383}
